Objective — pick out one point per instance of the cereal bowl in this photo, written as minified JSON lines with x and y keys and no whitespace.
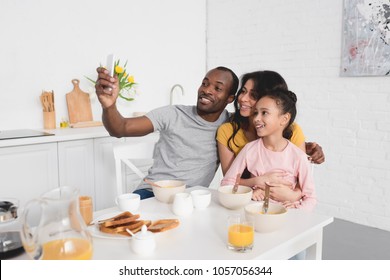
{"x":236,"y":200}
{"x":168,"y":190}
{"x":272,"y":221}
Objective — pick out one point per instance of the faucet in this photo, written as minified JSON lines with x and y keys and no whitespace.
{"x":173,"y":90}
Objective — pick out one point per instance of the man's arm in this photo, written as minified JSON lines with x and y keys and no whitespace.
{"x":119,"y":126}
{"x":107,"y":90}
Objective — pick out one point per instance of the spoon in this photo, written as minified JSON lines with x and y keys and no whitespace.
{"x":235,"y":188}
{"x":152,"y":183}
{"x":129,"y":231}
{"x":266,"y":199}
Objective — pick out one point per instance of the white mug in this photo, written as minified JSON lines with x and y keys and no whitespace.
{"x":182,"y":204}
{"x":128,"y":201}
{"x":201,"y":198}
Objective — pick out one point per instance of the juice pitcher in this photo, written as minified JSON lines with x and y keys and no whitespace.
{"x":52,"y":227}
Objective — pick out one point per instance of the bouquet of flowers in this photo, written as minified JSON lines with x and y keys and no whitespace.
{"x":126,"y":81}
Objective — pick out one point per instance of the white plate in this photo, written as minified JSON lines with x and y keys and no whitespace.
{"x":94,"y":229}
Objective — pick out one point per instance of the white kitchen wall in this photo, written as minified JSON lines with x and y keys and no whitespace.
{"x":349,"y":117}
{"x":45,"y":44}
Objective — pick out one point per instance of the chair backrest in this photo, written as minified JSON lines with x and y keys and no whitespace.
{"x":135,"y":148}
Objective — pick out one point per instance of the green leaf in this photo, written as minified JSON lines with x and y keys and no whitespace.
{"x":129,"y":85}
{"x":126,"y":98}
{"x":89,"y":79}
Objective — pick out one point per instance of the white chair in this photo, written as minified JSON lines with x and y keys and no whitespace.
{"x":135,"y":149}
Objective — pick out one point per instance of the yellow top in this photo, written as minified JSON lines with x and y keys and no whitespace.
{"x":226,"y":130}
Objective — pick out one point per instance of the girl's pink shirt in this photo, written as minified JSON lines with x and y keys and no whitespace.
{"x":259,"y":160}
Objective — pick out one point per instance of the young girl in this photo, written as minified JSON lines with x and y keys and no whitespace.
{"x":273,"y":115}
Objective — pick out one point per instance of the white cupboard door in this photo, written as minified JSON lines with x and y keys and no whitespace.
{"x":105,"y":180}
{"x":76,"y":165}
{"x":28,"y":171}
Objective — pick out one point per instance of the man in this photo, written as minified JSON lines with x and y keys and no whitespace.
{"x":187,"y":148}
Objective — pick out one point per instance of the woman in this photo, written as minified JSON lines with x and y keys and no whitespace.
{"x":232,"y":136}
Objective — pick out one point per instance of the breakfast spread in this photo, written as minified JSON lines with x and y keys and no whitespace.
{"x":124,"y":221}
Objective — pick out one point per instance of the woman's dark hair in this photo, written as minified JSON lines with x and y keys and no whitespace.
{"x":286,"y":101}
{"x":263,"y":81}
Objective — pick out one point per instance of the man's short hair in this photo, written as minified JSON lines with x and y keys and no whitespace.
{"x":235,"y":81}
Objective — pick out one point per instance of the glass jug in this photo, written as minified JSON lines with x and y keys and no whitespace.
{"x":59,"y":232}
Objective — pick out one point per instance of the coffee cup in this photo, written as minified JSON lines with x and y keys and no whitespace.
{"x":182,"y":204}
{"x":128,"y":201}
{"x":201,"y":198}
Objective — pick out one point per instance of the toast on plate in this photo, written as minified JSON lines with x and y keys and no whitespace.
{"x":134,"y":226}
{"x":163,"y":225}
{"x":124,"y":221}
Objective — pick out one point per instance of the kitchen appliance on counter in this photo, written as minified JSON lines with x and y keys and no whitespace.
{"x":10,"y":241}
{"x":21,"y":133}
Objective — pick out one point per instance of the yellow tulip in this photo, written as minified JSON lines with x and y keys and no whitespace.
{"x":130,"y":79}
{"x":118,"y":69}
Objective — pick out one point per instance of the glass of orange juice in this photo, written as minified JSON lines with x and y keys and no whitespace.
{"x":240,"y":234}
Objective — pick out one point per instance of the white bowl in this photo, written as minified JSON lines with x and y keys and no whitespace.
{"x":168,"y":190}
{"x":273,"y":220}
{"x":201,"y":198}
{"x":236,"y":200}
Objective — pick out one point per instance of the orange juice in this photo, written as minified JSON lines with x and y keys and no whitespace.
{"x":85,"y":207}
{"x":67,"y":249}
{"x":240,"y":235}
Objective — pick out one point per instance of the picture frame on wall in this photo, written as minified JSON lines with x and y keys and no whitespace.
{"x":366,"y":38}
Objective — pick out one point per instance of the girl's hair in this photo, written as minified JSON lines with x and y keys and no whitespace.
{"x":263,"y":81}
{"x":286,"y":101}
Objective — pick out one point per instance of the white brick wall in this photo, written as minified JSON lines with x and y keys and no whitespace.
{"x":349,"y":117}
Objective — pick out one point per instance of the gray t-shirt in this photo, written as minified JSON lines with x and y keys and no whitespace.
{"x":187,"y":149}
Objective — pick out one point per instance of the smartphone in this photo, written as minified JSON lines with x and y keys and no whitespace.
{"x":110,"y":65}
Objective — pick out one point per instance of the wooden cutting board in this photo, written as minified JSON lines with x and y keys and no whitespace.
{"x":79,"y":105}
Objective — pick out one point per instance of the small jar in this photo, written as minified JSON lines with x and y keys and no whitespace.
{"x":86,"y":209}
{"x":64,"y":123}
{"x":143,"y":242}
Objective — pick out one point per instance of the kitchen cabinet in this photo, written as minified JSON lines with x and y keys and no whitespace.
{"x":81,"y":158}
{"x":89,"y":165}
{"x":28,"y":171}
{"x":76,"y":165}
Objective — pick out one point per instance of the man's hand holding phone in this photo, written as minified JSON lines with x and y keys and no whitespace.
{"x":107,"y":86}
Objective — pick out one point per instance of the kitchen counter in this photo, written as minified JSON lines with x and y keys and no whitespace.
{"x":60,"y":134}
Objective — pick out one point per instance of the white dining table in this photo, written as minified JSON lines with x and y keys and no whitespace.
{"x":203,"y":235}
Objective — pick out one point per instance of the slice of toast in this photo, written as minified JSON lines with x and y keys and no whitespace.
{"x":117,"y":229}
{"x":145,"y":222}
{"x":120,"y":216}
{"x":134,"y":226}
{"x":163,"y":225}
{"x":121,"y":221}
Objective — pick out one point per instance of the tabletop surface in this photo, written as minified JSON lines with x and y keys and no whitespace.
{"x":203,"y":234}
